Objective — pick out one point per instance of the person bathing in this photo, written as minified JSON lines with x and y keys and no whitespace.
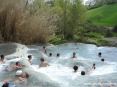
{"x":43,"y":63}
{"x":2,"y":61}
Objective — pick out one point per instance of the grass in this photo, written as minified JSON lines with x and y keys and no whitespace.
{"x":105,"y":15}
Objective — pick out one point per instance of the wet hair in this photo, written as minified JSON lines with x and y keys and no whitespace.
{"x":75,"y":68}
{"x":57,"y":54}
{"x":102,"y":60}
{"x":5,"y":85}
{"x":42,"y":60}
{"x":29,"y":56}
{"x":50,"y":54}
{"x":17,"y":62}
{"x":82,"y":72}
{"x":2,"y":57}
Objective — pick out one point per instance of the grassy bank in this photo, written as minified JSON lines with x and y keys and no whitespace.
{"x":105,"y":15}
{"x":91,"y":38}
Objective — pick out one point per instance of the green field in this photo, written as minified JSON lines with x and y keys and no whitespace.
{"x":105,"y":15}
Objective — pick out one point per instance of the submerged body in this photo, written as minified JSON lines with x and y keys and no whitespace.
{"x":43,"y":63}
{"x":19,"y":79}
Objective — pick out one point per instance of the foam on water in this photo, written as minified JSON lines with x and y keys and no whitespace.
{"x":104,"y":70}
{"x":21,"y":51}
{"x":58,"y":71}
{"x":20,"y":54}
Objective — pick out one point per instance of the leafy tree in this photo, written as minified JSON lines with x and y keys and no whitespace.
{"x":71,"y":15}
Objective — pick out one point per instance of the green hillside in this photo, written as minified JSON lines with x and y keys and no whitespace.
{"x":105,"y":15}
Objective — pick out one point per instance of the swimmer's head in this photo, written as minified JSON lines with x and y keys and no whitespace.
{"x":50,"y":54}
{"x":29,"y":57}
{"x":99,"y":54}
{"x":17,"y":63}
{"x":74,"y":54}
{"x":2,"y":57}
{"x":75,"y":68}
{"x":42,"y":60}
{"x":44,"y":47}
{"x":82,"y":72}
{"x":94,"y":64}
{"x":102,"y":60}
{"x":58,"y":55}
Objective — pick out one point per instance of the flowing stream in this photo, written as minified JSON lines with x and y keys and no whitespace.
{"x":60,"y":72}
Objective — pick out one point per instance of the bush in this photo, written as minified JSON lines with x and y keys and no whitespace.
{"x":90,"y":27}
{"x":93,"y":35}
{"x":97,"y":41}
{"x":57,"y":40}
{"x":109,"y":33}
{"x":80,"y":38}
{"x":102,"y":42}
{"x":18,"y":25}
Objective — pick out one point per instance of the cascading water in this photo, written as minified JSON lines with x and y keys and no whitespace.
{"x":60,"y":72}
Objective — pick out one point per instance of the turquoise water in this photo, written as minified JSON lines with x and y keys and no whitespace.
{"x":60,"y":72}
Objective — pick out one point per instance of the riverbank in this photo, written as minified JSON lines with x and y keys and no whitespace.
{"x":111,"y":42}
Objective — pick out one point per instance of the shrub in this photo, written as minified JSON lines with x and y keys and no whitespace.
{"x":109,"y":33}
{"x":18,"y":25}
{"x":56,"y":40}
{"x":93,"y":35}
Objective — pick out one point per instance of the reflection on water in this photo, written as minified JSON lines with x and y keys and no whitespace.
{"x":60,"y":72}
